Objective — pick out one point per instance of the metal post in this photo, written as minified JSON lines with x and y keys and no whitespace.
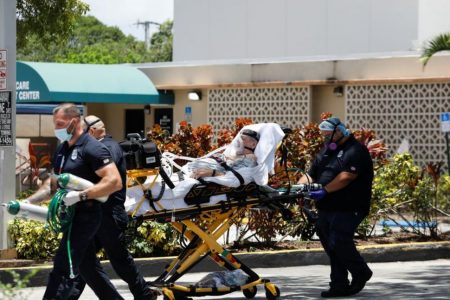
{"x":7,"y":97}
{"x":448,"y":152}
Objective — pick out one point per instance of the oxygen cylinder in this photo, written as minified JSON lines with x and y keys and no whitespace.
{"x":73,"y":182}
{"x":27,"y":211}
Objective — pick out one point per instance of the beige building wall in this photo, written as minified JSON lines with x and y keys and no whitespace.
{"x":27,"y":125}
{"x":47,"y":128}
{"x":199,"y":108}
{"x":325,"y":100}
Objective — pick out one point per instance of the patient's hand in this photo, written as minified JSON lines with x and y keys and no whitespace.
{"x":197,"y":173}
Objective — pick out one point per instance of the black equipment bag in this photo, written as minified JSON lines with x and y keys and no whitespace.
{"x":140,"y":154}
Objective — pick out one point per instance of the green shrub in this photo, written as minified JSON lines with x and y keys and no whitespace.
{"x":32,"y":239}
{"x":403,"y":192}
{"x":443,"y":193}
{"x":14,"y":291}
{"x":393,"y":184}
{"x":154,"y":239}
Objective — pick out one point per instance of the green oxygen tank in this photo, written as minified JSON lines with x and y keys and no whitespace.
{"x":27,"y":211}
{"x":73,"y":182}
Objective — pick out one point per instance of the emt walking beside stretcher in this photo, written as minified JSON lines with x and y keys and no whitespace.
{"x":83,"y":156}
{"x":345,"y":170}
{"x":110,"y":235}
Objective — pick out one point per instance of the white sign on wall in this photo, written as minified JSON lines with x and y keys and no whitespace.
{"x":445,"y":122}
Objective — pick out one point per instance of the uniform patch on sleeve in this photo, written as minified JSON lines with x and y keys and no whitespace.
{"x":352,"y":168}
{"x":106,"y":161}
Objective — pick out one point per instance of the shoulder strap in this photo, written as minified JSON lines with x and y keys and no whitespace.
{"x":228,"y":168}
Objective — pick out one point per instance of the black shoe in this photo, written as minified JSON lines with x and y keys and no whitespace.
{"x":359,"y":282}
{"x":336,"y":292}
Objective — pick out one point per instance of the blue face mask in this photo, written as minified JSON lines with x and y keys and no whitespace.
{"x":63,"y":135}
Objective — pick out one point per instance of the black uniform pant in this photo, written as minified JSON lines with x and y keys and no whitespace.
{"x":336,"y":230}
{"x":110,"y":236}
{"x":85,"y":225}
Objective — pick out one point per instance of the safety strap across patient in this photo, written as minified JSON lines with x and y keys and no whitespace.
{"x":228,"y":168}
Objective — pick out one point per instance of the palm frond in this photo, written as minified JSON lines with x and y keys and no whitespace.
{"x":437,"y":44}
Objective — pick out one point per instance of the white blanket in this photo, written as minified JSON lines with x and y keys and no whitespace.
{"x":270,"y":136}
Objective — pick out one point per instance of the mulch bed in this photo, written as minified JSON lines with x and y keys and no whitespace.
{"x":393,"y":238}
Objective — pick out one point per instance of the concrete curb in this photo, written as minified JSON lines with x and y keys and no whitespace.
{"x":152,"y":267}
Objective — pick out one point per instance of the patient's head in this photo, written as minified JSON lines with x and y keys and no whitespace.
{"x":250,"y":139}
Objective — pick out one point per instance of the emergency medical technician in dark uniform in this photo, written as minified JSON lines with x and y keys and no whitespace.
{"x":344,"y":168}
{"x":110,"y":235}
{"x":84,"y":156}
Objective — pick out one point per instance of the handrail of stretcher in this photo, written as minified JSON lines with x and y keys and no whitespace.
{"x":167,"y":215}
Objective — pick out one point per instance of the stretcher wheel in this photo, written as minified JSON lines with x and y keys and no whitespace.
{"x":250,"y":293}
{"x":270,"y":296}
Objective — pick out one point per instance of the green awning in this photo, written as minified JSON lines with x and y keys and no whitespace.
{"x":85,"y":83}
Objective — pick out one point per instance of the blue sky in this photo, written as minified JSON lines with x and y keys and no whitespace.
{"x":125,"y":13}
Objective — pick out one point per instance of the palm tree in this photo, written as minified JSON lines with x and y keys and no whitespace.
{"x":437,"y":44}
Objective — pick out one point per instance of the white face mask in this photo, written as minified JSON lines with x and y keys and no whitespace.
{"x":239,"y":146}
{"x":63,"y":135}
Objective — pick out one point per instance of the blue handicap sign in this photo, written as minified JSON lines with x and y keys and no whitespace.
{"x":445,"y":117}
{"x":188,"y":110}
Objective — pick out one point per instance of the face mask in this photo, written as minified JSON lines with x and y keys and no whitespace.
{"x":329,"y":141}
{"x":63,"y":135}
{"x":239,"y":147}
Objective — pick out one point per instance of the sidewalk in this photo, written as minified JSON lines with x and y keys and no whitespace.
{"x":151,"y":267}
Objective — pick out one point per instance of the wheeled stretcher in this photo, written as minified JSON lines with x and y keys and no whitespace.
{"x":204,"y":211}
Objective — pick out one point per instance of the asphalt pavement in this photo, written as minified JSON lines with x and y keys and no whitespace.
{"x":391,"y":280}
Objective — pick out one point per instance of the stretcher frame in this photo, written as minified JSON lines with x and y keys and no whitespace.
{"x":211,"y":222}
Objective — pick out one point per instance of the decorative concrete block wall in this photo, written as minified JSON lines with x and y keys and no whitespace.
{"x":402,"y":111}
{"x":283,"y":105}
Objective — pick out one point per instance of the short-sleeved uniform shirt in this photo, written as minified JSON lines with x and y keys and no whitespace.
{"x":82,"y":159}
{"x":352,"y":157}
{"x":116,"y":199}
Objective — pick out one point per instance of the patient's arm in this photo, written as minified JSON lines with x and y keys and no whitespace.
{"x":202,"y":172}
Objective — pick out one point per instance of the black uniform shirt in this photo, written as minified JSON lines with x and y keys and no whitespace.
{"x":83,"y":159}
{"x":116,"y":198}
{"x":351,"y":157}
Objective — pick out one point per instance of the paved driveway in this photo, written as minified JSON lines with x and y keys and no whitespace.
{"x":394,"y":280}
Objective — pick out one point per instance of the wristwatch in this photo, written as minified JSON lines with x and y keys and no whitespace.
{"x":83,"y":196}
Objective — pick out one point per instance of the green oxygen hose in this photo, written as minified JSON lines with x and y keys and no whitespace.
{"x":59,"y":219}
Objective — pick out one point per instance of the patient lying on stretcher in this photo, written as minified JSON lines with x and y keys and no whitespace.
{"x":251,"y":154}
{"x":244,"y":158}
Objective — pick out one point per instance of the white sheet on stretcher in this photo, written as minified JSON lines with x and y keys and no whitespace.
{"x":270,"y":136}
